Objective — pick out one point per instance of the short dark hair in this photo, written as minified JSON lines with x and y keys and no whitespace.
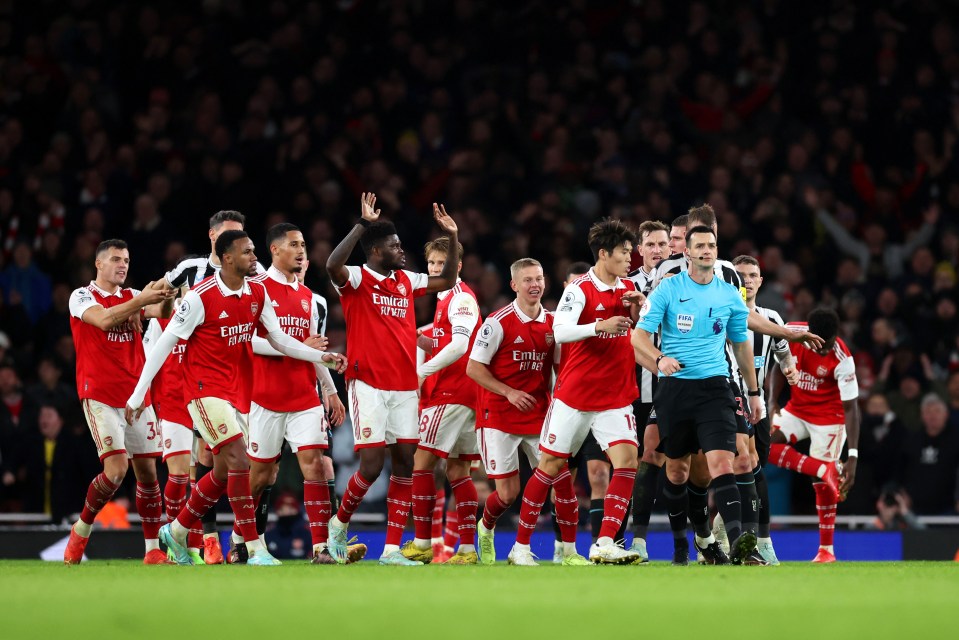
{"x":226,"y":240}
{"x":651,"y":226}
{"x":824,"y":323}
{"x":577,"y":268}
{"x":745,"y":259}
{"x":699,"y":229}
{"x":703,"y":214}
{"x":375,"y":234}
{"x":279,"y":231}
{"x":608,"y":234}
{"x":681,"y":221}
{"x":113,"y":243}
{"x":442,"y":245}
{"x":228,"y":215}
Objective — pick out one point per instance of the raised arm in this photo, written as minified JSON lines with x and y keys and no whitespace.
{"x":336,"y":263}
{"x":447,"y":278}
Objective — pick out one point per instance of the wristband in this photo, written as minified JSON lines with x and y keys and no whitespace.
{"x":661,"y":356}
{"x":753,"y":394}
{"x":363,"y":222}
{"x":852,"y":453}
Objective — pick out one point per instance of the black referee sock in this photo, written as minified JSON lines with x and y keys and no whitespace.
{"x":209,"y":518}
{"x":334,"y":501}
{"x":699,"y":509}
{"x":644,"y":496}
{"x":676,"y":499}
{"x":557,"y":534}
{"x":762,"y":493}
{"x":595,"y":517}
{"x":263,"y":510}
{"x":726,"y":495}
{"x":750,"y":501}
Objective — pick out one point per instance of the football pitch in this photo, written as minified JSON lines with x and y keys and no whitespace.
{"x":124,"y":599}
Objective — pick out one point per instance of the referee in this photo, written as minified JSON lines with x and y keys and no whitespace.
{"x":695,"y":312}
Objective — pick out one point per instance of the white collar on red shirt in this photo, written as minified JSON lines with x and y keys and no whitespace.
{"x":116,"y":294}
{"x":227,"y":291}
{"x":280,"y":277}
{"x":525,"y":318}
{"x":602,"y":286}
{"x":381,"y":278}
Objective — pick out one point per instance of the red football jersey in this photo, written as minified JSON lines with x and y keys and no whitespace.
{"x":598,"y":373}
{"x":108,"y":362}
{"x":519,"y":352}
{"x":167,"y":387}
{"x":381,"y":327}
{"x":825,"y":382}
{"x":451,"y":385}
{"x":219,"y":354}
{"x":280,"y":383}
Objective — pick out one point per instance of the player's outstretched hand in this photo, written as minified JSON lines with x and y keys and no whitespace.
{"x":337,"y":358}
{"x":614,"y":325}
{"x":149,"y":295}
{"x":132,"y":415}
{"x":335,"y":410}
{"x":443,"y":219}
{"x":669,"y":366}
{"x":811,"y":340}
{"x":520,"y":399}
{"x":368,"y":210}
{"x":635,"y":298}
{"x":755,"y":410}
{"x":792,"y":375}
{"x":848,"y":478}
{"x":317,"y":341}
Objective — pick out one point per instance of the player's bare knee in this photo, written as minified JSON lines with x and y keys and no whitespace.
{"x":777,"y":437}
{"x":371,"y":463}
{"x":677,"y":471}
{"x":115,"y":468}
{"x":424,"y":460}
{"x":551,"y":464}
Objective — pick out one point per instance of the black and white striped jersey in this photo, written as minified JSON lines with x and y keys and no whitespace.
{"x":645,"y":380}
{"x":194,"y":269}
{"x":763,"y":348}
{"x":321,"y":313}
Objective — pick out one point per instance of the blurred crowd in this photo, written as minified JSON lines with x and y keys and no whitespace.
{"x":823,"y":134}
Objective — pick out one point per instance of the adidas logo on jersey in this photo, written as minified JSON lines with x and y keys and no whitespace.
{"x":518,"y":340}
{"x":600,"y":307}
{"x":274,"y":303}
{"x":223,"y":314}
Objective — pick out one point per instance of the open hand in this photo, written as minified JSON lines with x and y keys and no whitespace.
{"x":149,"y":295}
{"x":335,"y":410}
{"x":614,"y":325}
{"x":443,"y":219}
{"x":368,"y":210}
{"x":317,"y":342}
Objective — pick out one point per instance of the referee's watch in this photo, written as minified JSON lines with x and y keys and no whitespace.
{"x":661,"y":356}
{"x":753,"y":394}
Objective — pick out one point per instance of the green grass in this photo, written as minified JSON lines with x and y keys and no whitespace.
{"x":123,"y":599}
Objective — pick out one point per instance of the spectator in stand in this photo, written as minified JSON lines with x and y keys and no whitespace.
{"x":880,"y":448}
{"x":23,"y":283}
{"x":930,"y":460}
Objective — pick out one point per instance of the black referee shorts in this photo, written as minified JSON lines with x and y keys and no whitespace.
{"x":644,"y":412}
{"x":742,"y":425}
{"x":591,"y":449}
{"x":694,"y":415}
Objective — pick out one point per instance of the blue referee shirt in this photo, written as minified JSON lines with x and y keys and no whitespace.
{"x":696,"y":320}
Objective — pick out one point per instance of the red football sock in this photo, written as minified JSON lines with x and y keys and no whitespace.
{"x":424,"y":502}
{"x":174,"y":494}
{"x":399,"y":498}
{"x":533,"y":498}
{"x":466,"y":505}
{"x":98,"y":494}
{"x":316,"y":501}
{"x":238,"y":489}
{"x":451,"y":534}
{"x":439,"y":506}
{"x":206,"y":492}
{"x":567,"y":505}
{"x":194,"y":539}
{"x":826,"y":504}
{"x":495,"y":507}
{"x":783,"y":455}
{"x":616,"y":504}
{"x":150,"y":507}
{"x":356,"y":488}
